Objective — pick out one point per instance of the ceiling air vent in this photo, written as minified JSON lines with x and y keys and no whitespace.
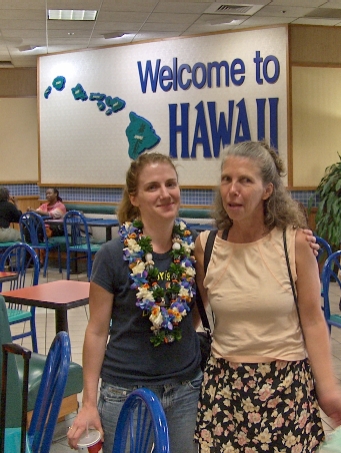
{"x":324,"y":13}
{"x":245,"y":9}
{"x":233,"y":9}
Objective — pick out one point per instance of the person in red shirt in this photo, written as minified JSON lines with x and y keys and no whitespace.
{"x":55,"y":208}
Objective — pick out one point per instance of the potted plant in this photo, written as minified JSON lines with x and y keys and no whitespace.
{"x":328,"y":215}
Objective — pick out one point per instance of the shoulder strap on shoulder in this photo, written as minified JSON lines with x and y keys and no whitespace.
{"x":209,"y":248}
{"x":288,"y":266}
{"x":207,"y":256}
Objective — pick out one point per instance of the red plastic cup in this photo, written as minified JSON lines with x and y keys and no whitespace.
{"x":90,"y":442}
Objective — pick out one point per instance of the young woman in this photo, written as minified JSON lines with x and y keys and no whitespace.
{"x":143,"y":284}
{"x":270,"y":367}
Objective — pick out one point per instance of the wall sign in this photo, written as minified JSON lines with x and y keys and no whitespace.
{"x":186,"y":97}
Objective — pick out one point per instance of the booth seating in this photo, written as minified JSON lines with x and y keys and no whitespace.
{"x":192,"y":215}
{"x":97,"y":209}
{"x":74,"y":384}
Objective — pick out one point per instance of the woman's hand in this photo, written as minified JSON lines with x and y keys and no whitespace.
{"x":312,"y":240}
{"x":330,"y":403}
{"x":88,"y":417}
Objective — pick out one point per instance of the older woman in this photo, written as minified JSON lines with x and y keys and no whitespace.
{"x":270,"y":367}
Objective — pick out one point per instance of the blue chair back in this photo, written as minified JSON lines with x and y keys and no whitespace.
{"x":32,"y":229}
{"x":331,"y":272}
{"x":33,"y":232}
{"x":324,"y":252}
{"x":78,"y":241}
{"x":78,"y":230}
{"x":19,"y":258}
{"x":325,"y":249}
{"x":141,"y":423}
{"x":14,"y":395}
{"x":50,"y":394}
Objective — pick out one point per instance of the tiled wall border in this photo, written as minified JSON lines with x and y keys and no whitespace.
{"x":113,"y":195}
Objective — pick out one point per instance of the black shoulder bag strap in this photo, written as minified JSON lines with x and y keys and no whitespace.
{"x":288,"y":266}
{"x":207,"y":257}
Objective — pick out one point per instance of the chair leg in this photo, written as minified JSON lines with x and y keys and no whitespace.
{"x":34,"y":334}
{"x":59,"y":261}
{"x":46,"y":261}
{"x":68,"y":266}
{"x":89,"y":270}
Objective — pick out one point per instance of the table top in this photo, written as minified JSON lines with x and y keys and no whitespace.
{"x":89,"y":220}
{"x":58,"y":294}
{"x":7,"y":276}
{"x":201,"y":226}
{"x":102,"y":222}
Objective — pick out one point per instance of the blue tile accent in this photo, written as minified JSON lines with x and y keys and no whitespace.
{"x":304,"y":197}
{"x":22,"y":190}
{"x":200,"y":197}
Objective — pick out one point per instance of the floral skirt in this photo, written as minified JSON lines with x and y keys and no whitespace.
{"x":258,"y":407}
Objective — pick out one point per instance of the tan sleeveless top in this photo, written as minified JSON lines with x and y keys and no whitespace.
{"x":250,"y":294}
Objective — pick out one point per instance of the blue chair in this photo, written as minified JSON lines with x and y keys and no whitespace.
{"x":18,"y":258}
{"x":33,"y":232}
{"x":78,"y":242}
{"x":5,"y":245}
{"x":45,"y":413}
{"x":324,"y":252}
{"x":325,"y":249}
{"x":331,"y":272}
{"x":141,"y":423}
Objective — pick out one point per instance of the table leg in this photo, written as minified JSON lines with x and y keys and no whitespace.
{"x":61,"y":320}
{"x":108,"y":235}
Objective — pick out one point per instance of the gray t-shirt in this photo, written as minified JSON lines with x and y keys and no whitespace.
{"x":130,"y":357}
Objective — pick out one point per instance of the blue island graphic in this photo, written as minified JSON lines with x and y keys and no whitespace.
{"x":141,"y":135}
{"x":140,"y":132}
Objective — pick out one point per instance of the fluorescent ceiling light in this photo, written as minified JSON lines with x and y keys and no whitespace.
{"x":26,"y":48}
{"x":113,"y":35}
{"x":71,"y":14}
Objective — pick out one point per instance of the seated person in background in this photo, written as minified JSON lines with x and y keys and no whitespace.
{"x":54,"y":208}
{"x":8,"y":213}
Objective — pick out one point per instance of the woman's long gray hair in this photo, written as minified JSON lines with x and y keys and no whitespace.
{"x":280,"y":210}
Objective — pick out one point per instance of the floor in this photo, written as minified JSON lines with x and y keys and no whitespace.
{"x":77,"y":322}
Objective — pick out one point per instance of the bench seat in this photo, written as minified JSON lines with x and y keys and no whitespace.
{"x":74,"y":384}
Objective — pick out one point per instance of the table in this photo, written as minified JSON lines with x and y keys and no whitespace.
{"x":60,"y":295}
{"x":198,"y":227}
{"x":8,"y":276}
{"x":107,"y":223}
{"x":95,"y":222}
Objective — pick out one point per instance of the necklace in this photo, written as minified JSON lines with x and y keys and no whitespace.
{"x":167,"y":306}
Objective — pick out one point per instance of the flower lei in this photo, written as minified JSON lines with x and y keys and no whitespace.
{"x":165,"y":307}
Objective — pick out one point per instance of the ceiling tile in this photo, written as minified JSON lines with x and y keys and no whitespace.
{"x":150,"y":36}
{"x":121,"y":16}
{"x":129,"y":5}
{"x":128,"y":27}
{"x":172,"y":17}
{"x":291,"y":11}
{"x":183,"y":7}
{"x":23,"y":22}
{"x":309,"y":21}
{"x":163,"y":27}
{"x":306,"y":3}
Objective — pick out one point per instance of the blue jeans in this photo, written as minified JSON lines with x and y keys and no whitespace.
{"x":180,"y":403}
